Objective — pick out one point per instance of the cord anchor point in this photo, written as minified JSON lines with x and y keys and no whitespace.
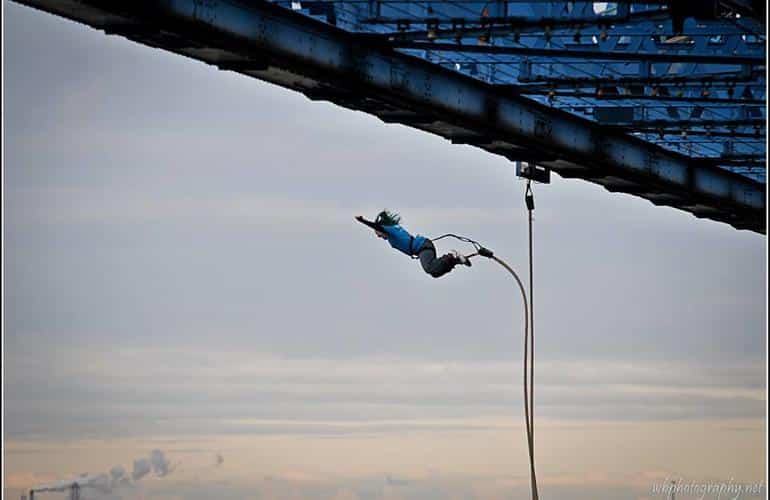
{"x":486,"y":252}
{"x":529,"y":198}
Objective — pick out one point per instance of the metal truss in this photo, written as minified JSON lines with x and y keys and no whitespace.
{"x":661,"y":99}
{"x":579,"y":55}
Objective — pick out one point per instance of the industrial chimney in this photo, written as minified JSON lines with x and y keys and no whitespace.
{"x":75,"y":491}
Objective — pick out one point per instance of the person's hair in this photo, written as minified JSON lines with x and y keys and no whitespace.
{"x":388,"y":218}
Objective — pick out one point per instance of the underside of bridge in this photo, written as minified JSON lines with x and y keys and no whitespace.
{"x":664,"y":100}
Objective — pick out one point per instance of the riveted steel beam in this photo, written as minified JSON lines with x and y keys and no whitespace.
{"x":614,"y":55}
{"x":320,"y":60}
{"x":493,"y":26}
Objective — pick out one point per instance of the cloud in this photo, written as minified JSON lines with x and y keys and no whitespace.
{"x":86,"y":205}
{"x":395,"y":481}
{"x":61,"y":205}
{"x":228,"y":391}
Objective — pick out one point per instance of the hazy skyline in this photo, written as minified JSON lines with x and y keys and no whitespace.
{"x":183,"y":272}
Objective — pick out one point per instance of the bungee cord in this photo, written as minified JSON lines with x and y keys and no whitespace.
{"x":529,"y":329}
{"x":529,"y":199}
{"x":475,"y":243}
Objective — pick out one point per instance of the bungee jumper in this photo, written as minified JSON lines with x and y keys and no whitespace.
{"x":387,"y":226}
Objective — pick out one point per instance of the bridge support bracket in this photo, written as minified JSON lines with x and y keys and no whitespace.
{"x":533,"y":172}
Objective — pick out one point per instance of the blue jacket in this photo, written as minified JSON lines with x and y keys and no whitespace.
{"x":400,"y":239}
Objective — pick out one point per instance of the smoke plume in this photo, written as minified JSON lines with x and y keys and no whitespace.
{"x":100,"y":481}
{"x":116,"y":477}
{"x":160,"y":465}
{"x":142,"y":467}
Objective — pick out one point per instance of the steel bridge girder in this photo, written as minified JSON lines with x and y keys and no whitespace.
{"x":306,"y":51}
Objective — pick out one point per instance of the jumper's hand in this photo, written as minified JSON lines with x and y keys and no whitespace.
{"x":367,"y":223}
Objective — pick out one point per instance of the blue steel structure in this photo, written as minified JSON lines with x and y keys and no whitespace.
{"x":662,"y":99}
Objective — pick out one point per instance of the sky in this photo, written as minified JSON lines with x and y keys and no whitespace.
{"x":182,"y":273}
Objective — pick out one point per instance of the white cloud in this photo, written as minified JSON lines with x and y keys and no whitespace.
{"x":215,"y":391}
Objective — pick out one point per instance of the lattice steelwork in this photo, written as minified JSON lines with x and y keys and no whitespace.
{"x":689,"y":78}
{"x":660,"y":99}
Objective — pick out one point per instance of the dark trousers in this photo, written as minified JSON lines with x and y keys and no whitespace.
{"x":433,"y":266}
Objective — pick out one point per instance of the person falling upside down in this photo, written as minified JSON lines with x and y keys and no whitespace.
{"x":387,"y":226}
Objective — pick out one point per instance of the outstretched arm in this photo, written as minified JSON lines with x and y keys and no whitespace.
{"x":371,"y":224}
